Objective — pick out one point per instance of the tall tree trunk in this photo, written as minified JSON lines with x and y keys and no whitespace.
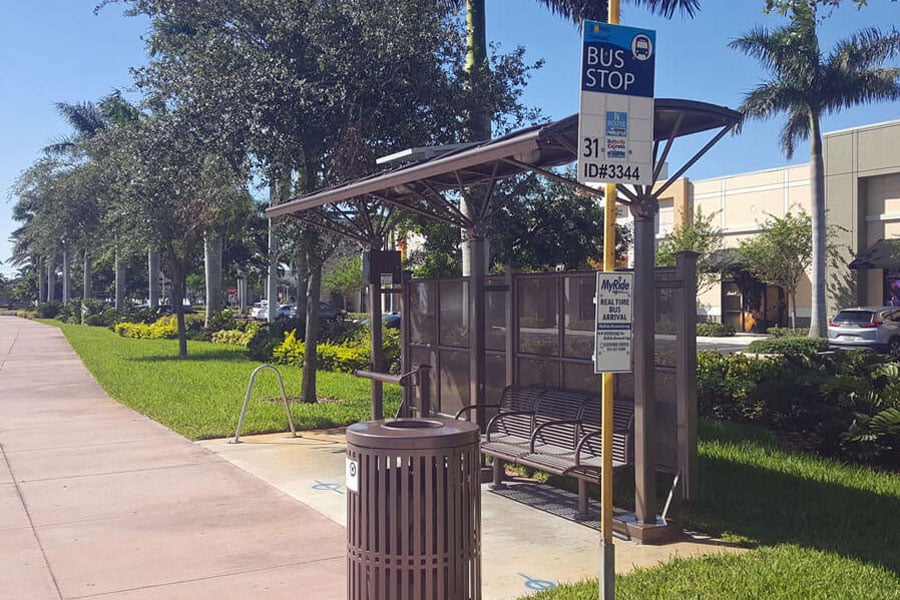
{"x":87,"y":287}
{"x":66,"y":277}
{"x":153,"y":278}
{"x":272,"y":276}
{"x":311,"y":340}
{"x":792,"y":300}
{"x":120,"y":281}
{"x":212,"y":254}
{"x":817,"y":325}
{"x":51,"y":282}
{"x":301,"y":268}
{"x":178,"y":274}
{"x":42,"y":280}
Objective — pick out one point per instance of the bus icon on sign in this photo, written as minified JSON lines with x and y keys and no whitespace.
{"x":641,"y":47}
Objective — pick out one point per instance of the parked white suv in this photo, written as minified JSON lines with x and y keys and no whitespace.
{"x":874,"y":328}
{"x":260,"y":310}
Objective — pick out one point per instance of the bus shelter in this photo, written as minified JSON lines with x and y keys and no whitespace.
{"x":466,"y":174}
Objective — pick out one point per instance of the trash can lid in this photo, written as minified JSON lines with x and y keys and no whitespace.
{"x":412,"y":434}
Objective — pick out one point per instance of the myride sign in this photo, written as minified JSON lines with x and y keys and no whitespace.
{"x":612,"y":342}
{"x":615,"y":116}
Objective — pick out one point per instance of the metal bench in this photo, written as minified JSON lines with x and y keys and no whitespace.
{"x":576,"y":447}
{"x":555,"y":431}
{"x":512,"y":435}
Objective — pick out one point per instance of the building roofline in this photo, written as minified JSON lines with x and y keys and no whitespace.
{"x":863,"y":127}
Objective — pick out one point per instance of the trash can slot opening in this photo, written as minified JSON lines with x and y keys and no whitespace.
{"x":413,"y":424}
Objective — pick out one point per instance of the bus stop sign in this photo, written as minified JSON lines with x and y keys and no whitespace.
{"x":615,"y":116}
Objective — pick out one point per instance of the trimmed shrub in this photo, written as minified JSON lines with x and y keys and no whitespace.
{"x":789,"y":346}
{"x":233,"y":337}
{"x":844,"y":404}
{"x":342,"y":358}
{"x":714,"y":330}
{"x":48,"y":310}
{"x":779,"y":332}
{"x":165,"y":328}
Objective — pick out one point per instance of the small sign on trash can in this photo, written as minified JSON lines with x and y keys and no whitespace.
{"x":352,"y":475}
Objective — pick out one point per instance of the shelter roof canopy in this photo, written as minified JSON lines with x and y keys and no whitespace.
{"x":537,"y":147}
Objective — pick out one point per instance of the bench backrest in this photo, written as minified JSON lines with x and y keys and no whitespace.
{"x":623,"y":425}
{"x":559,"y":405}
{"x":518,"y":398}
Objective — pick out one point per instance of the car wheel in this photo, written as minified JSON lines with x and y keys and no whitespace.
{"x":894,"y":348}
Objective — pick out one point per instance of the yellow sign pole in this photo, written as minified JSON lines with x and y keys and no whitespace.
{"x":607,"y":551}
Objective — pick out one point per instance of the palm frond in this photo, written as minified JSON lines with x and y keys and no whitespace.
{"x":756,"y":43}
{"x":796,"y":129}
{"x":864,"y":50}
{"x":598,"y":10}
{"x":84,"y":117}
{"x":845,"y":90}
{"x":769,"y":98}
{"x":668,"y":8}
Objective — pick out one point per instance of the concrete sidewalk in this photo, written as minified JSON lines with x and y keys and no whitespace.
{"x":99,"y":501}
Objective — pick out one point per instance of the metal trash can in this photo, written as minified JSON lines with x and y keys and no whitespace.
{"x":413,"y":510}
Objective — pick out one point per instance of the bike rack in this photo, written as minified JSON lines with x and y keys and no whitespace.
{"x":287,"y":409}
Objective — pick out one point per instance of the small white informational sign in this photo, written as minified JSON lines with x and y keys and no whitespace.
{"x":352,"y":475}
{"x":614,"y":321}
{"x":615,"y":115}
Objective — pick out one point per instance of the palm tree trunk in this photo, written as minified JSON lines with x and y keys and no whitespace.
{"x":66,"y":277}
{"x":153,"y":278}
{"x":87,"y":288}
{"x":817,"y":325}
{"x":51,"y":282}
{"x":120,"y":281}
{"x":42,"y":281}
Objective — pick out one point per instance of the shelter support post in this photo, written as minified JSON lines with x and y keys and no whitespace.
{"x":687,"y":374}
{"x":477,"y":341}
{"x":376,"y":349}
{"x":644,"y":376}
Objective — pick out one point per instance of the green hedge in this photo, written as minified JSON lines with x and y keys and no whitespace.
{"x":233,"y":337}
{"x":787,"y":332}
{"x":341,"y":358}
{"x":843,"y":403}
{"x":788,"y":345}
{"x":164,"y":328}
{"x":714,"y":330}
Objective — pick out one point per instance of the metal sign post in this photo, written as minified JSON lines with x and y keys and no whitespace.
{"x":615,"y":133}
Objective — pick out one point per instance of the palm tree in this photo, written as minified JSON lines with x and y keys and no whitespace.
{"x":808,"y":85}
{"x":479,"y":119}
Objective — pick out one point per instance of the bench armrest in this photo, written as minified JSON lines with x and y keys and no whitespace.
{"x":542,"y":426}
{"x":592,"y":435}
{"x":473,"y":407}
{"x":499,"y":417}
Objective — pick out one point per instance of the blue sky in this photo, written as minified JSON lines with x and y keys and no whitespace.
{"x":58,"y":50}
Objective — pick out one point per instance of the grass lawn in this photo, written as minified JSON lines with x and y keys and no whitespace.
{"x":820,"y":529}
{"x":200,"y":397}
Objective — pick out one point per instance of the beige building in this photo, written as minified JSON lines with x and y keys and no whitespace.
{"x":862,"y":188}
